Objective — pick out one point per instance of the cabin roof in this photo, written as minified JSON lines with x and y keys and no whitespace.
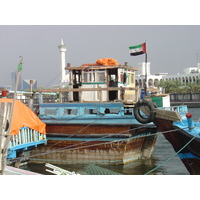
{"x":97,"y":67}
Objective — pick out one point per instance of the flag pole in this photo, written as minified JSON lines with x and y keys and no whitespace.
{"x":145,"y":85}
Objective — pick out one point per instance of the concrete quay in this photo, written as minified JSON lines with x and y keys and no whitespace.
{"x":16,"y":171}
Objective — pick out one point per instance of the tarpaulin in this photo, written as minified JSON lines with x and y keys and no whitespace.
{"x":107,"y":61}
{"x":103,"y":61}
{"x":23,"y":116}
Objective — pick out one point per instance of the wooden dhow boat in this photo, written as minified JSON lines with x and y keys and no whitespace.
{"x":97,"y":125}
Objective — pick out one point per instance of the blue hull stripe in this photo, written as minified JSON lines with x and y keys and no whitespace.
{"x":187,"y":155}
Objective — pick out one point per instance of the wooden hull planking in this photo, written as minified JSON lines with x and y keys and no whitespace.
{"x":92,"y":151}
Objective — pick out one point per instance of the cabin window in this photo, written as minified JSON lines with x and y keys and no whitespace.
{"x":50,"y":111}
{"x":111,"y":110}
{"x":100,"y":77}
{"x":88,"y":111}
{"x":87,"y":77}
{"x":128,"y":111}
{"x":70,"y":111}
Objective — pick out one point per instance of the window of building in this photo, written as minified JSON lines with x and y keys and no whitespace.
{"x":150,"y":82}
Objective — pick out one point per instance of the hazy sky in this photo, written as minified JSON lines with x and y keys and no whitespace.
{"x":169,"y":48}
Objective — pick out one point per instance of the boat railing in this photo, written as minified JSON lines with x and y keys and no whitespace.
{"x":25,"y":139}
{"x":99,"y":90}
{"x":65,"y":110}
{"x":179,"y":109}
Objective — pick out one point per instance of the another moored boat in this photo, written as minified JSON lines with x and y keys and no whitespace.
{"x":184,"y":136}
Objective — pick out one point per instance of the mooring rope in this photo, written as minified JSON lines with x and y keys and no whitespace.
{"x":74,"y":145}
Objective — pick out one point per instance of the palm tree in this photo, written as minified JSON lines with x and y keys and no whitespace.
{"x":178,"y":87}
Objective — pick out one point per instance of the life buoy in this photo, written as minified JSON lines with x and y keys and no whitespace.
{"x":141,"y":117}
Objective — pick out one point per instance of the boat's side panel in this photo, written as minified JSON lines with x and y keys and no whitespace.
{"x":83,"y":129}
{"x":179,"y":137}
{"x":86,"y":151}
{"x":190,"y":155}
{"x":191,"y":162}
{"x":139,"y":148}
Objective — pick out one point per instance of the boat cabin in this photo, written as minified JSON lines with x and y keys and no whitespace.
{"x":102,"y":83}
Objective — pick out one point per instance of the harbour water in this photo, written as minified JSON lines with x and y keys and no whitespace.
{"x":162,"y":152}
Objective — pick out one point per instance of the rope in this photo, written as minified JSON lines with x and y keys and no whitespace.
{"x":118,"y":142}
{"x":52,"y":80}
{"x":172,"y":155}
{"x":70,"y":147}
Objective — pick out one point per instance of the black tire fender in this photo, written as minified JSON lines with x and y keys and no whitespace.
{"x":138,"y":115}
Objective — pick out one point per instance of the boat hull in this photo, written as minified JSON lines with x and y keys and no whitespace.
{"x":106,"y":151}
{"x":190,"y":154}
{"x":97,"y":133}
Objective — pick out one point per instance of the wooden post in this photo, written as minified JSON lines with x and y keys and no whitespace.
{"x":60,"y":97}
{"x":5,"y":109}
{"x":80,"y":96}
{"x":99,"y":94}
{"x":40,"y":98}
{"x":122,"y":92}
{"x":137,"y":94}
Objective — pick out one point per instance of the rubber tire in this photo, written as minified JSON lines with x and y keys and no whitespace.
{"x":151,"y":107}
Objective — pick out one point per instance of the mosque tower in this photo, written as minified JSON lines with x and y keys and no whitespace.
{"x":62,"y":49}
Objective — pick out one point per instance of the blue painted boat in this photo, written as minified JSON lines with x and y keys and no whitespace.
{"x":98,"y":133}
{"x":184,"y":136}
{"x":25,"y":130}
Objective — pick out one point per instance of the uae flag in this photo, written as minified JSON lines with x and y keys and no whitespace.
{"x":137,"y":50}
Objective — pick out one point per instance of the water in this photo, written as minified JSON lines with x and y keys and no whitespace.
{"x":162,"y":151}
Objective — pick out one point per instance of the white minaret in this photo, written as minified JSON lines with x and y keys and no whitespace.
{"x":62,"y":49}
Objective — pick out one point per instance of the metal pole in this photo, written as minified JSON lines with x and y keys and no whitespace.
{"x":5,"y":146}
{"x":145,"y":85}
{"x":30,"y":102}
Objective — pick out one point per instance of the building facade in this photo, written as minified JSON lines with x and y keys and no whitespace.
{"x":27,"y":84}
{"x":191,"y":74}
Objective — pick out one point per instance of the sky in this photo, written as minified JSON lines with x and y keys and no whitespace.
{"x":170,"y":48}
